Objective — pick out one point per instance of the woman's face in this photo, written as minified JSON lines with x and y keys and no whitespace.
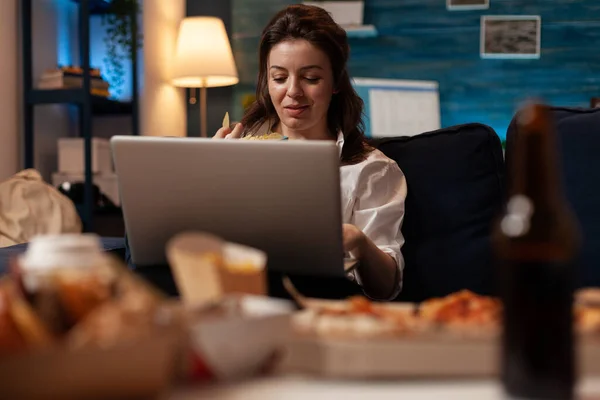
{"x":300,"y":86}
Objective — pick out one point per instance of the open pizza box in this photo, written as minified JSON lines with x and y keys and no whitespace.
{"x":344,"y":348}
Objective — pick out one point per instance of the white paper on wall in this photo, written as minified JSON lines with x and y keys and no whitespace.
{"x":400,"y":107}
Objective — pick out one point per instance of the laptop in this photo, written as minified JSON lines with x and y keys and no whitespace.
{"x":282,"y":197}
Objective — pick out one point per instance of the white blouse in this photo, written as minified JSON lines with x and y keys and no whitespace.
{"x":373,"y":195}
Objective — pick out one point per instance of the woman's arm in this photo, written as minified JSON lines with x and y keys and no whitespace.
{"x":378,"y":271}
{"x":374,"y":230}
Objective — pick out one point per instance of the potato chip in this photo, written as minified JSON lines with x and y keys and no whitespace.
{"x":226,"y":120}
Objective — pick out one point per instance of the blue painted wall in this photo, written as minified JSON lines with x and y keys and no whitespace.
{"x":98,"y":60}
{"x":420,"y":39}
{"x":218,"y":100}
{"x":68,"y":50}
{"x":249,"y":17}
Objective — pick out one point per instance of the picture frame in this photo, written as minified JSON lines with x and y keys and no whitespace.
{"x":465,"y":5}
{"x":511,"y":36}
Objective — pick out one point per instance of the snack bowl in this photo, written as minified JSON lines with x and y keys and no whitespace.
{"x":267,"y":136}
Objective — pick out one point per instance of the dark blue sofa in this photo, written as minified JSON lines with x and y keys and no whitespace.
{"x":456,"y":183}
{"x":455,"y":180}
{"x":579,"y":150}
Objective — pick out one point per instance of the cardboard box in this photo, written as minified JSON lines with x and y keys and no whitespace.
{"x":71,"y":156}
{"x":128,"y":370}
{"x":433,"y":355}
{"x":126,"y":344}
{"x":234,"y":329}
{"x":344,"y":13}
{"x":243,"y":343}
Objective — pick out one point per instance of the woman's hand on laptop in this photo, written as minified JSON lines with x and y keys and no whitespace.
{"x":354,"y":238}
{"x":228,"y":133}
{"x":378,"y":271}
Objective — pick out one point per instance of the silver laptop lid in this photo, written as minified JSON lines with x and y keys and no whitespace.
{"x":279,"y":196}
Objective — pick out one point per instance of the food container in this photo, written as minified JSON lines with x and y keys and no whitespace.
{"x":351,"y":345}
{"x":64,"y":277}
{"x":234,"y":329}
{"x":85,"y":326}
{"x":126,"y":370}
{"x":244,"y":335}
{"x":206,"y":267}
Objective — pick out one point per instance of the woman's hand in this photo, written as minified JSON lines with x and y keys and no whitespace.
{"x":378,"y":271}
{"x":354,"y":238}
{"x":228,"y":133}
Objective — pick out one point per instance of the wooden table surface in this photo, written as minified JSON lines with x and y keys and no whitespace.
{"x":294,"y":387}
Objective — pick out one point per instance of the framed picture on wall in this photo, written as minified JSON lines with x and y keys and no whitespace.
{"x":459,"y":5}
{"x":510,"y":36}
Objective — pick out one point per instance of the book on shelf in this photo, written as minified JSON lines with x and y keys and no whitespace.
{"x":67,"y":79}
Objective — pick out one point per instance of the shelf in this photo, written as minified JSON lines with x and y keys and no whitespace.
{"x":100,"y":105}
{"x":361,"y":31}
{"x":73,"y":96}
{"x":104,"y":106}
{"x":55,"y":96}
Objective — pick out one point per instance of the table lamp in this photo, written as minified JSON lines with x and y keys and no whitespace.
{"x":203,"y":59}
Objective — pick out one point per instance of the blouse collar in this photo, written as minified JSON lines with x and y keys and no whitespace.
{"x":340,"y":142}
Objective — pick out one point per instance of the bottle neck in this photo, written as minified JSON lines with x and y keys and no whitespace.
{"x":534,"y":168}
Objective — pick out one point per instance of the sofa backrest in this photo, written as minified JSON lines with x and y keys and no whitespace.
{"x":455,"y":180}
{"x":578,"y":133}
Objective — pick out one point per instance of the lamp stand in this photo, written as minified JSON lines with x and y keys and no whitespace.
{"x":203,"y":111}
{"x":193,"y":100}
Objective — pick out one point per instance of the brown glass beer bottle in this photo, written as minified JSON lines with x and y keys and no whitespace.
{"x":536,"y":242}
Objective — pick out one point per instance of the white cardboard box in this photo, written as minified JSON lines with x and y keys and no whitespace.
{"x":345,"y":13}
{"x":239,"y":345}
{"x":431,"y":357}
{"x":106,"y":182}
{"x":417,"y":356}
{"x":71,"y":156}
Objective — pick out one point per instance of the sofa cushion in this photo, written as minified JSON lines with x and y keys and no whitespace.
{"x":455,"y":179}
{"x":578,"y":133}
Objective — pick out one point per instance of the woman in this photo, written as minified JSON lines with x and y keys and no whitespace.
{"x":304,"y":92}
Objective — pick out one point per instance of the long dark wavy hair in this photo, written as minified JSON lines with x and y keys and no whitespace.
{"x":345,"y":112}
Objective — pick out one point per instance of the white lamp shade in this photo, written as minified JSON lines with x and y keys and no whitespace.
{"x":203,"y":57}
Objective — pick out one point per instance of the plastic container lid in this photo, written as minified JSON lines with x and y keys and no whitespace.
{"x":47,"y":252}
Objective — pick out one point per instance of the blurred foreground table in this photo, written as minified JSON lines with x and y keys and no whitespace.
{"x":307,"y":388}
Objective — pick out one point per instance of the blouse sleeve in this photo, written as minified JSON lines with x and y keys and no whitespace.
{"x":378,"y":210}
